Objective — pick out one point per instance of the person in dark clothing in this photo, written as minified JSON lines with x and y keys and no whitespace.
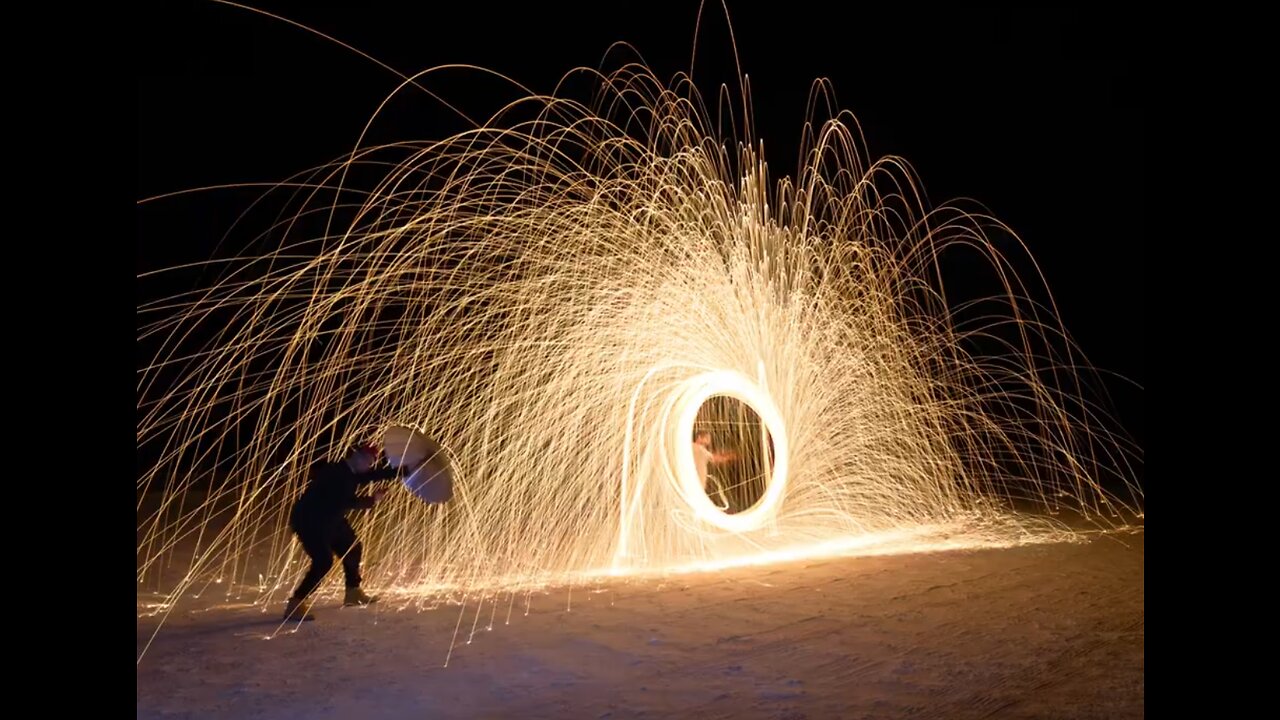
{"x":319,"y":519}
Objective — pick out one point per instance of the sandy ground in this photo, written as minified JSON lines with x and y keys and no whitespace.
{"x":1043,"y":631}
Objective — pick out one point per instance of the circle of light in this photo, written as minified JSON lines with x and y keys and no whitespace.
{"x":696,"y":391}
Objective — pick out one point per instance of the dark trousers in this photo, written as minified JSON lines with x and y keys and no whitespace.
{"x":322,"y":541}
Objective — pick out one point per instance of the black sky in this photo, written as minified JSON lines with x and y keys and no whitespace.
{"x":1033,"y":112}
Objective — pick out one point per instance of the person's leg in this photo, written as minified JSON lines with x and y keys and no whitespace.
{"x":316,"y":545}
{"x":344,"y":544}
{"x":721,"y":501}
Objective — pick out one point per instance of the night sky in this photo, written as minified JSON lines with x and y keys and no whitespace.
{"x":1033,"y":112}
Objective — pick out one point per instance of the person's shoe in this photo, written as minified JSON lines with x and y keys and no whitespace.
{"x":356,"y":597}
{"x":298,"y":611}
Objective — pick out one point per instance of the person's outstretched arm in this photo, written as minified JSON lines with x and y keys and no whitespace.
{"x":378,"y":475}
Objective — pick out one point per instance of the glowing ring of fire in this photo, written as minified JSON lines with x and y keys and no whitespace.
{"x":695,"y":392}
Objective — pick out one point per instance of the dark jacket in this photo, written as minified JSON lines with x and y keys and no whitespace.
{"x":332,"y":493}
